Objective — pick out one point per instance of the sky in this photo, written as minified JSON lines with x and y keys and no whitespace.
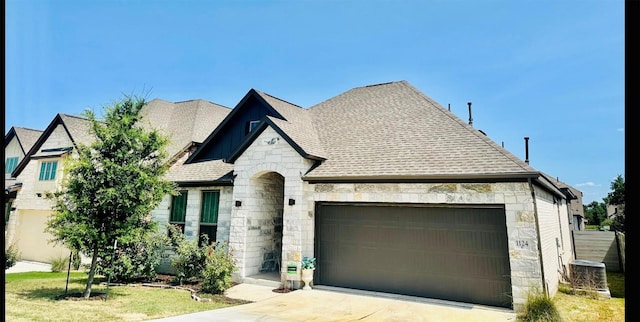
{"x":549,"y":70}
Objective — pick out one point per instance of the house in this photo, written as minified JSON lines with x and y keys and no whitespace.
{"x":17,"y":142}
{"x":389,"y":190}
{"x":186,"y":123}
{"x":38,"y":172}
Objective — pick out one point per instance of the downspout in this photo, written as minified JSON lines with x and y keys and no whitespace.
{"x":535,"y":214}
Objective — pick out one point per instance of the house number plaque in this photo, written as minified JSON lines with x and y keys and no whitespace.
{"x":522,"y":243}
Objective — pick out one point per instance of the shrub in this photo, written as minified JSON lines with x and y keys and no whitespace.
{"x":190,"y":260}
{"x":539,"y":308}
{"x":11,"y":255}
{"x":59,"y":264}
{"x":220,"y":264}
{"x":136,"y":257}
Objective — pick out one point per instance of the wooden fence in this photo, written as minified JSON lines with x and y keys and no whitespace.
{"x":600,"y":246}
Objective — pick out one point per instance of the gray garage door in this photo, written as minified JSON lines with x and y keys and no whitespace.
{"x":451,"y":253}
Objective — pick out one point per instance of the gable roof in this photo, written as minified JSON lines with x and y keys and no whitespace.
{"x":77,"y":128}
{"x":26,"y":137}
{"x":296,"y":127}
{"x":239,"y":108}
{"x":183,"y":122}
{"x":393,"y":131}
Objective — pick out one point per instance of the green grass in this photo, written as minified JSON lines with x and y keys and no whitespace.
{"x":33,"y":297}
{"x":586,"y":308}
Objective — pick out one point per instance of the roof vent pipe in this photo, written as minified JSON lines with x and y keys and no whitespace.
{"x":449,"y":106}
{"x":470,"y":118}
{"x":526,"y":149}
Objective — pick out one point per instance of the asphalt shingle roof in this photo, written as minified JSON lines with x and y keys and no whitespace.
{"x":298,"y":124}
{"x":27,"y":137}
{"x":206,"y":171}
{"x":184,"y":122}
{"x":393,"y":130}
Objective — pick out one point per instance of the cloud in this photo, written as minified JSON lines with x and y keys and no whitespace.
{"x":587,"y":184}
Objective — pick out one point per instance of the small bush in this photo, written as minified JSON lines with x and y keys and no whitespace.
{"x":59,"y":264}
{"x":190,"y":261}
{"x":136,"y":256}
{"x":220,"y":264}
{"x":539,"y":308}
{"x":11,"y":255}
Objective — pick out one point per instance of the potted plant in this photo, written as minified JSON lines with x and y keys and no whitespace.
{"x":308,"y":265}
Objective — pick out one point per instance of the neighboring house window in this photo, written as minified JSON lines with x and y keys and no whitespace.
{"x":209,"y":214}
{"x":179,"y":209}
{"x":48,"y":170}
{"x":10,"y":164}
{"x":252,"y":125}
{"x":7,"y":212}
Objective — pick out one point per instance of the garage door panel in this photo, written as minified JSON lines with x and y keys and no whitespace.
{"x":458,"y":254}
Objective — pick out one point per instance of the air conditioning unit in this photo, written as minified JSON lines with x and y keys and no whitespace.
{"x":589,"y":275}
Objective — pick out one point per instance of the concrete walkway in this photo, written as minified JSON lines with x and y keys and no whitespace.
{"x":333,"y":304}
{"x":26,"y":266}
{"x":326,"y":304}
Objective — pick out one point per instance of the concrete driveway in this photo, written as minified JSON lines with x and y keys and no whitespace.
{"x":333,"y":304}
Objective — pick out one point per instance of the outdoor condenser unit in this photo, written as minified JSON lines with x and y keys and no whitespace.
{"x":586,"y":274}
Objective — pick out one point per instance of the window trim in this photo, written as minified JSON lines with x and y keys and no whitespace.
{"x":182,"y":194}
{"x":48,"y":170}
{"x":10,"y":164}
{"x":209,"y":224}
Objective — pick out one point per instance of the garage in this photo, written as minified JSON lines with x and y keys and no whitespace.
{"x":454,"y":252}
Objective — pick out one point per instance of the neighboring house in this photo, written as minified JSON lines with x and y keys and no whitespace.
{"x":389,"y":190}
{"x":17,"y":142}
{"x":39,"y":172}
{"x":613,"y":210}
{"x":576,"y":210}
{"x":186,"y":123}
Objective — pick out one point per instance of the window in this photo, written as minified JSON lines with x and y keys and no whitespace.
{"x":251,"y":125}
{"x":209,"y":214}
{"x":48,"y":170}
{"x":179,"y":209}
{"x":10,"y":164}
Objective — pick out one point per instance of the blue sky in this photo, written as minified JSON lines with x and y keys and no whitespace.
{"x":549,"y":70}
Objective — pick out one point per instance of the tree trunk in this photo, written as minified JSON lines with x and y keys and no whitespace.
{"x":92,"y":272}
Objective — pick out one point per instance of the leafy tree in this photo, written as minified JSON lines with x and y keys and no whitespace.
{"x":110,"y":186}
{"x":595,"y":212}
{"x":617,"y":197}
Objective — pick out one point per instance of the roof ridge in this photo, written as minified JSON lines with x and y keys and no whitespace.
{"x":74,"y":116}
{"x":26,"y":128}
{"x":468,"y":127}
{"x":296,"y":105}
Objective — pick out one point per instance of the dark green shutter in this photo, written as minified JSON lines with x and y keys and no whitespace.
{"x":179,"y":207}
{"x":209,"y":213}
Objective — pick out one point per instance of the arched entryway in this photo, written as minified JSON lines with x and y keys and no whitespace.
{"x":265,"y":224}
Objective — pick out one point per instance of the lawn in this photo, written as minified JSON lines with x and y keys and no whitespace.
{"x":33,"y":297}
{"x":585,"y":308}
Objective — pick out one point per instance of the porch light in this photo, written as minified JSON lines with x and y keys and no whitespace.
{"x":238,"y":203}
{"x":292,"y":202}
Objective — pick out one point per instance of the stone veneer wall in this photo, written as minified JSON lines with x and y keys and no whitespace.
{"x":516,"y":198}
{"x":269,"y":153}
{"x":192,"y":217}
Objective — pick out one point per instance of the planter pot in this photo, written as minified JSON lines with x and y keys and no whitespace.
{"x":307,"y":278}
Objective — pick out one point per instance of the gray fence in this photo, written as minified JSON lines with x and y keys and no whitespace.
{"x":600,"y":246}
